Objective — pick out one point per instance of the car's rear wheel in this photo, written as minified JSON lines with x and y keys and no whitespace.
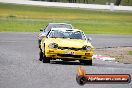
{"x":86,"y":62}
{"x":39,"y":41}
{"x":40,"y":55}
{"x":43,"y":57}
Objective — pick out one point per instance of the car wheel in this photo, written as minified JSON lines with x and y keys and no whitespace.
{"x":86,"y":62}
{"x":39,"y":41}
{"x":41,"y":55}
{"x":43,"y":58}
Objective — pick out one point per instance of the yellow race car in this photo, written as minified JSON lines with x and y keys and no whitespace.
{"x":66,"y":44}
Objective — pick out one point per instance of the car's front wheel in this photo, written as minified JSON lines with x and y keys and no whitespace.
{"x":86,"y":62}
{"x":43,"y":57}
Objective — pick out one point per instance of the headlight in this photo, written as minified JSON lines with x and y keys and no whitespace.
{"x":87,"y":48}
{"x":53,"y":45}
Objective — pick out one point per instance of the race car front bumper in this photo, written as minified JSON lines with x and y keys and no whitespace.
{"x":69,"y":54}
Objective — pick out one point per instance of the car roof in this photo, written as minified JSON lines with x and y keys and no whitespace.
{"x":59,"y":23}
{"x":65,"y":29}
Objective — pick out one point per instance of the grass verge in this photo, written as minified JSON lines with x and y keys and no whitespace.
{"x":22,"y":18}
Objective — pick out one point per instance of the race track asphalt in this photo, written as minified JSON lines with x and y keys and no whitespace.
{"x":20,"y":67}
{"x":109,"y":41}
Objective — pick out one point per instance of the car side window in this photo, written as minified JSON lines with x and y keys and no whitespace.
{"x":47,"y":29}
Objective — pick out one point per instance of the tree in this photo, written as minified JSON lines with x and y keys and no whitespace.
{"x":118,"y":2}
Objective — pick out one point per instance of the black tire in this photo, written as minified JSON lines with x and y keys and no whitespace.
{"x":46,"y":60}
{"x":43,"y":58}
{"x":86,"y":62}
{"x":39,"y":41}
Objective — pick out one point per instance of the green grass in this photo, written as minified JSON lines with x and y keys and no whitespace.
{"x":22,"y":18}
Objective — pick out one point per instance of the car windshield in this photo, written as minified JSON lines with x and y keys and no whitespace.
{"x":67,"y":34}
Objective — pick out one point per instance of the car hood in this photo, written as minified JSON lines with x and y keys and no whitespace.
{"x":77,"y":43}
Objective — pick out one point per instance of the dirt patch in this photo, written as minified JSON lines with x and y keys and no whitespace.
{"x":121,"y":54}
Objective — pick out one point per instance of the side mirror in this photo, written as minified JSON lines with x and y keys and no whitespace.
{"x":41,"y":29}
{"x":89,"y":39}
